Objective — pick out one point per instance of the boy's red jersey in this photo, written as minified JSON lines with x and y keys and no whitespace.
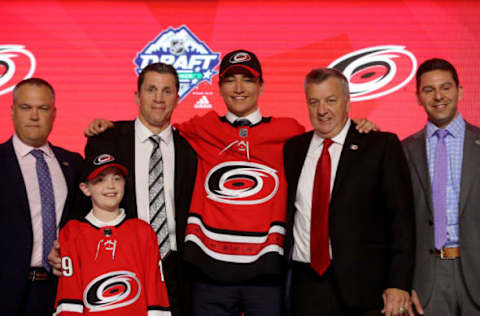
{"x":111,"y":270}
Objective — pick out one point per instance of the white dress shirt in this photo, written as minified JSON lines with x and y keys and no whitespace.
{"x":303,"y":198}
{"x":143,"y":150}
{"x":27,"y":164}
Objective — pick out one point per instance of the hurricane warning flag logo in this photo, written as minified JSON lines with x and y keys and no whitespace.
{"x":376,"y":71}
{"x":16,"y":64}
{"x":241,"y":183}
{"x":193,"y":59}
{"x":112,"y":290}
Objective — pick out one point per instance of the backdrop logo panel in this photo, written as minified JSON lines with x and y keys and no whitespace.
{"x":16,"y":64}
{"x":193,"y":59}
{"x":376,"y":71}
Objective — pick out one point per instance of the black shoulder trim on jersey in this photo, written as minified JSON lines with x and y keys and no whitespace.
{"x":265,"y":119}
{"x":120,"y":224}
{"x":91,"y":224}
{"x":70,"y":301}
{"x":224,"y":120}
{"x":157,"y":308}
{"x":236,"y":232}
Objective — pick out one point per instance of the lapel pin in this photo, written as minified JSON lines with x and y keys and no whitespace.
{"x":66,"y":163}
{"x":353,"y":147}
{"x":477,"y":142}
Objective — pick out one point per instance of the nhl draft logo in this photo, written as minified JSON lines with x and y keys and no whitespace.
{"x":16,"y":64}
{"x":376,"y":71}
{"x":193,"y":59}
{"x":241,"y":183}
{"x":112,"y":290}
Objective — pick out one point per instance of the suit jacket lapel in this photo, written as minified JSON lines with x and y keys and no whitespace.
{"x":127,"y":151}
{"x":178,"y":166}
{"x":301,"y":149}
{"x":471,"y":154}
{"x":14,"y":174}
{"x":352,"y":147}
{"x":69,"y":176}
{"x":420,"y":165}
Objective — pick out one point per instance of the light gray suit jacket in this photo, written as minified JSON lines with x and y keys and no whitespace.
{"x":469,"y":213}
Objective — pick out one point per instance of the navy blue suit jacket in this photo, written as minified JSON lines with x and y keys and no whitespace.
{"x":16,"y":235}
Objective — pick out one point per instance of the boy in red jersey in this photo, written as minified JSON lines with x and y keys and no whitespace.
{"x":110,"y":265}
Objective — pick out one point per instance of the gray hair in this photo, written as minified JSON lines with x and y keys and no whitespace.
{"x":319,"y":75}
{"x":33,"y":81}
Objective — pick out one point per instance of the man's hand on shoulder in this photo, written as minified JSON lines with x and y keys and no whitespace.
{"x":97,"y":126}
{"x":54,"y":259}
{"x":396,"y":303}
{"x":365,"y":126}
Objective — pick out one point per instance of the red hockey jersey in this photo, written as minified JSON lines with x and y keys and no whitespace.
{"x":236,"y":224}
{"x":112,"y":270}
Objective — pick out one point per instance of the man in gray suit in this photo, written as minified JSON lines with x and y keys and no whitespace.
{"x":444,"y":160}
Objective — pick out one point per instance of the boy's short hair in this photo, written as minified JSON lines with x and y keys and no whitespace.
{"x":97,"y":163}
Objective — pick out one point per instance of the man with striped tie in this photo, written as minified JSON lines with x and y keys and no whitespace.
{"x":163,"y":166}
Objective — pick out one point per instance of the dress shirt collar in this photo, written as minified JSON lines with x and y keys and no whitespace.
{"x":23,"y":149}
{"x":338,"y":139}
{"x":254,"y":117}
{"x":98,"y":223}
{"x":142,"y":133}
{"x":456,"y":128}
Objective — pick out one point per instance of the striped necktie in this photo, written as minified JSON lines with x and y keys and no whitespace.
{"x":158,"y":213}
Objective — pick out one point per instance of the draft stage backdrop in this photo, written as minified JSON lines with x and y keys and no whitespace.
{"x":92,"y":51}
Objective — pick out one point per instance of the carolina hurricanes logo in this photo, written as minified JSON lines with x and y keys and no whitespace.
{"x":376,"y":71}
{"x":240,"y":182}
{"x":16,"y":64}
{"x":112,"y":290}
{"x":239,"y":58}
{"x":103,"y":159}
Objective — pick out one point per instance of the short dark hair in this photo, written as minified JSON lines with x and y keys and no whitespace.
{"x":319,"y":75}
{"x":36,"y":82}
{"x":160,"y":68}
{"x":436,"y":64}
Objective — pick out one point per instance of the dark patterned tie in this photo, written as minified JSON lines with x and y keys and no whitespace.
{"x":48,"y":205}
{"x":158,"y":213}
{"x":241,"y":122}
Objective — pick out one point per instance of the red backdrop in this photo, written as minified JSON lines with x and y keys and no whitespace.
{"x":86,"y":49}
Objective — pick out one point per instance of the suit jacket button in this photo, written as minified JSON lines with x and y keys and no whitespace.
{"x":432,"y":251}
{"x":430,"y":222}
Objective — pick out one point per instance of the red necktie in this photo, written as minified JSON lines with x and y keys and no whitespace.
{"x":319,"y":245}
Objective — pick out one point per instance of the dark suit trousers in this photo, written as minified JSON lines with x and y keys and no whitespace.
{"x":314,"y":295}
{"x":178,"y":286}
{"x":211,"y":299}
{"x":39,"y":298}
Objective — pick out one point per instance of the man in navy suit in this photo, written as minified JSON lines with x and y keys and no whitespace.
{"x":27,"y":287}
{"x":350,"y":211}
